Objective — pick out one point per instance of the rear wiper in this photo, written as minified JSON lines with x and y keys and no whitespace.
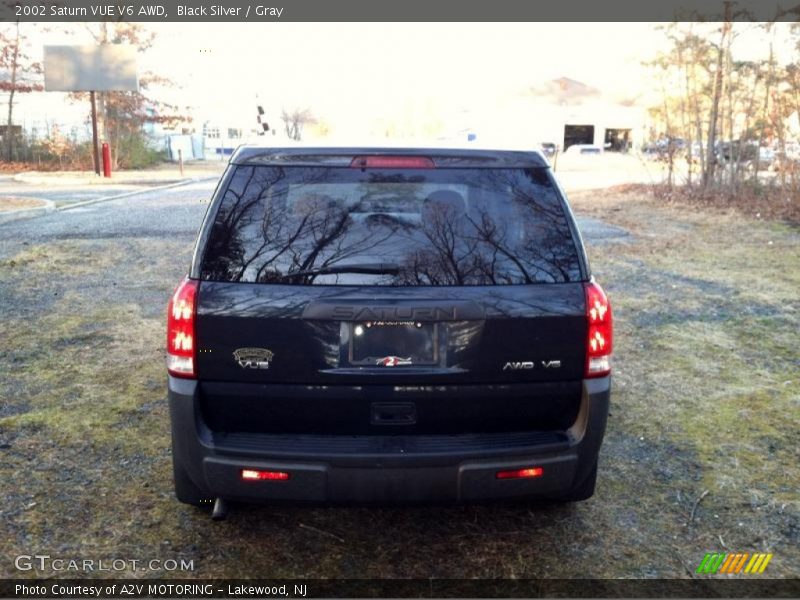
{"x":365,"y":268}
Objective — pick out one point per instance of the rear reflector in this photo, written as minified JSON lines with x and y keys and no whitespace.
{"x":528,"y":473}
{"x":254,"y":475}
{"x":392,"y":162}
{"x":599,"y":336}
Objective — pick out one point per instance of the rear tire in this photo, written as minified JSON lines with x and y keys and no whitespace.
{"x":185,"y":489}
{"x":584,"y":490}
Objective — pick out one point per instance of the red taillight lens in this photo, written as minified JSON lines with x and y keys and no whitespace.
{"x":526,"y":473}
{"x":255,"y":475}
{"x":392,"y":162}
{"x":600,"y":332}
{"x":180,"y":330}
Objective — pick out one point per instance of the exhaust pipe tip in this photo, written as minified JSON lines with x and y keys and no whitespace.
{"x":220,"y":512}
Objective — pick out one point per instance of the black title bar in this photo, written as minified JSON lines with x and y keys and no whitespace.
{"x":705,"y":587}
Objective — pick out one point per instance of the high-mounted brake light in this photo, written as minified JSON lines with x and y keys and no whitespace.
{"x":181,"y":343}
{"x":599,"y":335}
{"x":527,"y":473}
{"x":392,"y":162}
{"x":256,"y":475}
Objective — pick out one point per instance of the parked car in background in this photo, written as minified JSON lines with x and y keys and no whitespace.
{"x":583,"y":149}
{"x":664,"y":146}
{"x":694,"y":152}
{"x":766,"y":156}
{"x":787,"y":158}
{"x":548,"y":149}
{"x":785,"y":162}
{"x":745,"y":154}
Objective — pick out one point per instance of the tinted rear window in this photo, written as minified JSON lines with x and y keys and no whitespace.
{"x":438,"y":226}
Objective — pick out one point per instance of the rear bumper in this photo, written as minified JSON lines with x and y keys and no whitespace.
{"x":386,"y":469}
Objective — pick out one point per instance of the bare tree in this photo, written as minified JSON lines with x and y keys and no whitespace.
{"x":19,"y":74}
{"x":294,"y":120}
{"x":742,"y":115}
{"x":708,"y":172}
{"x":122,"y":115}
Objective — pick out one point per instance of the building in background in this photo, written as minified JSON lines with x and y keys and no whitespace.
{"x":562,"y":111}
{"x":567,"y":112}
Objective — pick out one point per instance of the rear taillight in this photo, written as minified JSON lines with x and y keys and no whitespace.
{"x":181,"y":343}
{"x":600,"y":332}
{"x":392,"y":162}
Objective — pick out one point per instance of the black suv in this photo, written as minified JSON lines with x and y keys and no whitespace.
{"x":387,"y":325}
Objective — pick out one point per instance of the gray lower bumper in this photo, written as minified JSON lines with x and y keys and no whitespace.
{"x":386,"y":477}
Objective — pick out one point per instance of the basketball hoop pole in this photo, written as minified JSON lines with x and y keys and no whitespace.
{"x":95,"y":154}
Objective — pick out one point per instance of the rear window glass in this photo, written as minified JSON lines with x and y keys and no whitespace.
{"x":396,"y":227}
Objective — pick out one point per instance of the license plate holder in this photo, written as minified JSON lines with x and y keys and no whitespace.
{"x":393,"y":343}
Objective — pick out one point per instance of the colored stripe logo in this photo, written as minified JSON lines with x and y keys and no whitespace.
{"x":734,"y":563}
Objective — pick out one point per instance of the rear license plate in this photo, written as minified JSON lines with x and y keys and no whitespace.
{"x":393,"y":343}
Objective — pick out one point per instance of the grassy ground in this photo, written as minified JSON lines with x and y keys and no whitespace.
{"x":701,"y":452}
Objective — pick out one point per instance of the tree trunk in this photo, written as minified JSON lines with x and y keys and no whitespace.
{"x":764,"y":110}
{"x":670,"y":148}
{"x":708,"y":174}
{"x":698,"y":123}
{"x":686,"y":133}
{"x":736,"y":153}
{"x":9,"y":122}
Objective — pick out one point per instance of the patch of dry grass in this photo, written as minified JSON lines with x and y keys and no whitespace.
{"x":708,"y":326}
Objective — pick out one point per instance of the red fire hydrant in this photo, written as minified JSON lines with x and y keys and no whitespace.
{"x":106,"y":160}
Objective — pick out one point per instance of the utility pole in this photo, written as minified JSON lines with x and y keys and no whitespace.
{"x":102,"y":121}
{"x":95,"y":152}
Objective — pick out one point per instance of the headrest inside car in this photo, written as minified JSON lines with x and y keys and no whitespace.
{"x":444,"y":202}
